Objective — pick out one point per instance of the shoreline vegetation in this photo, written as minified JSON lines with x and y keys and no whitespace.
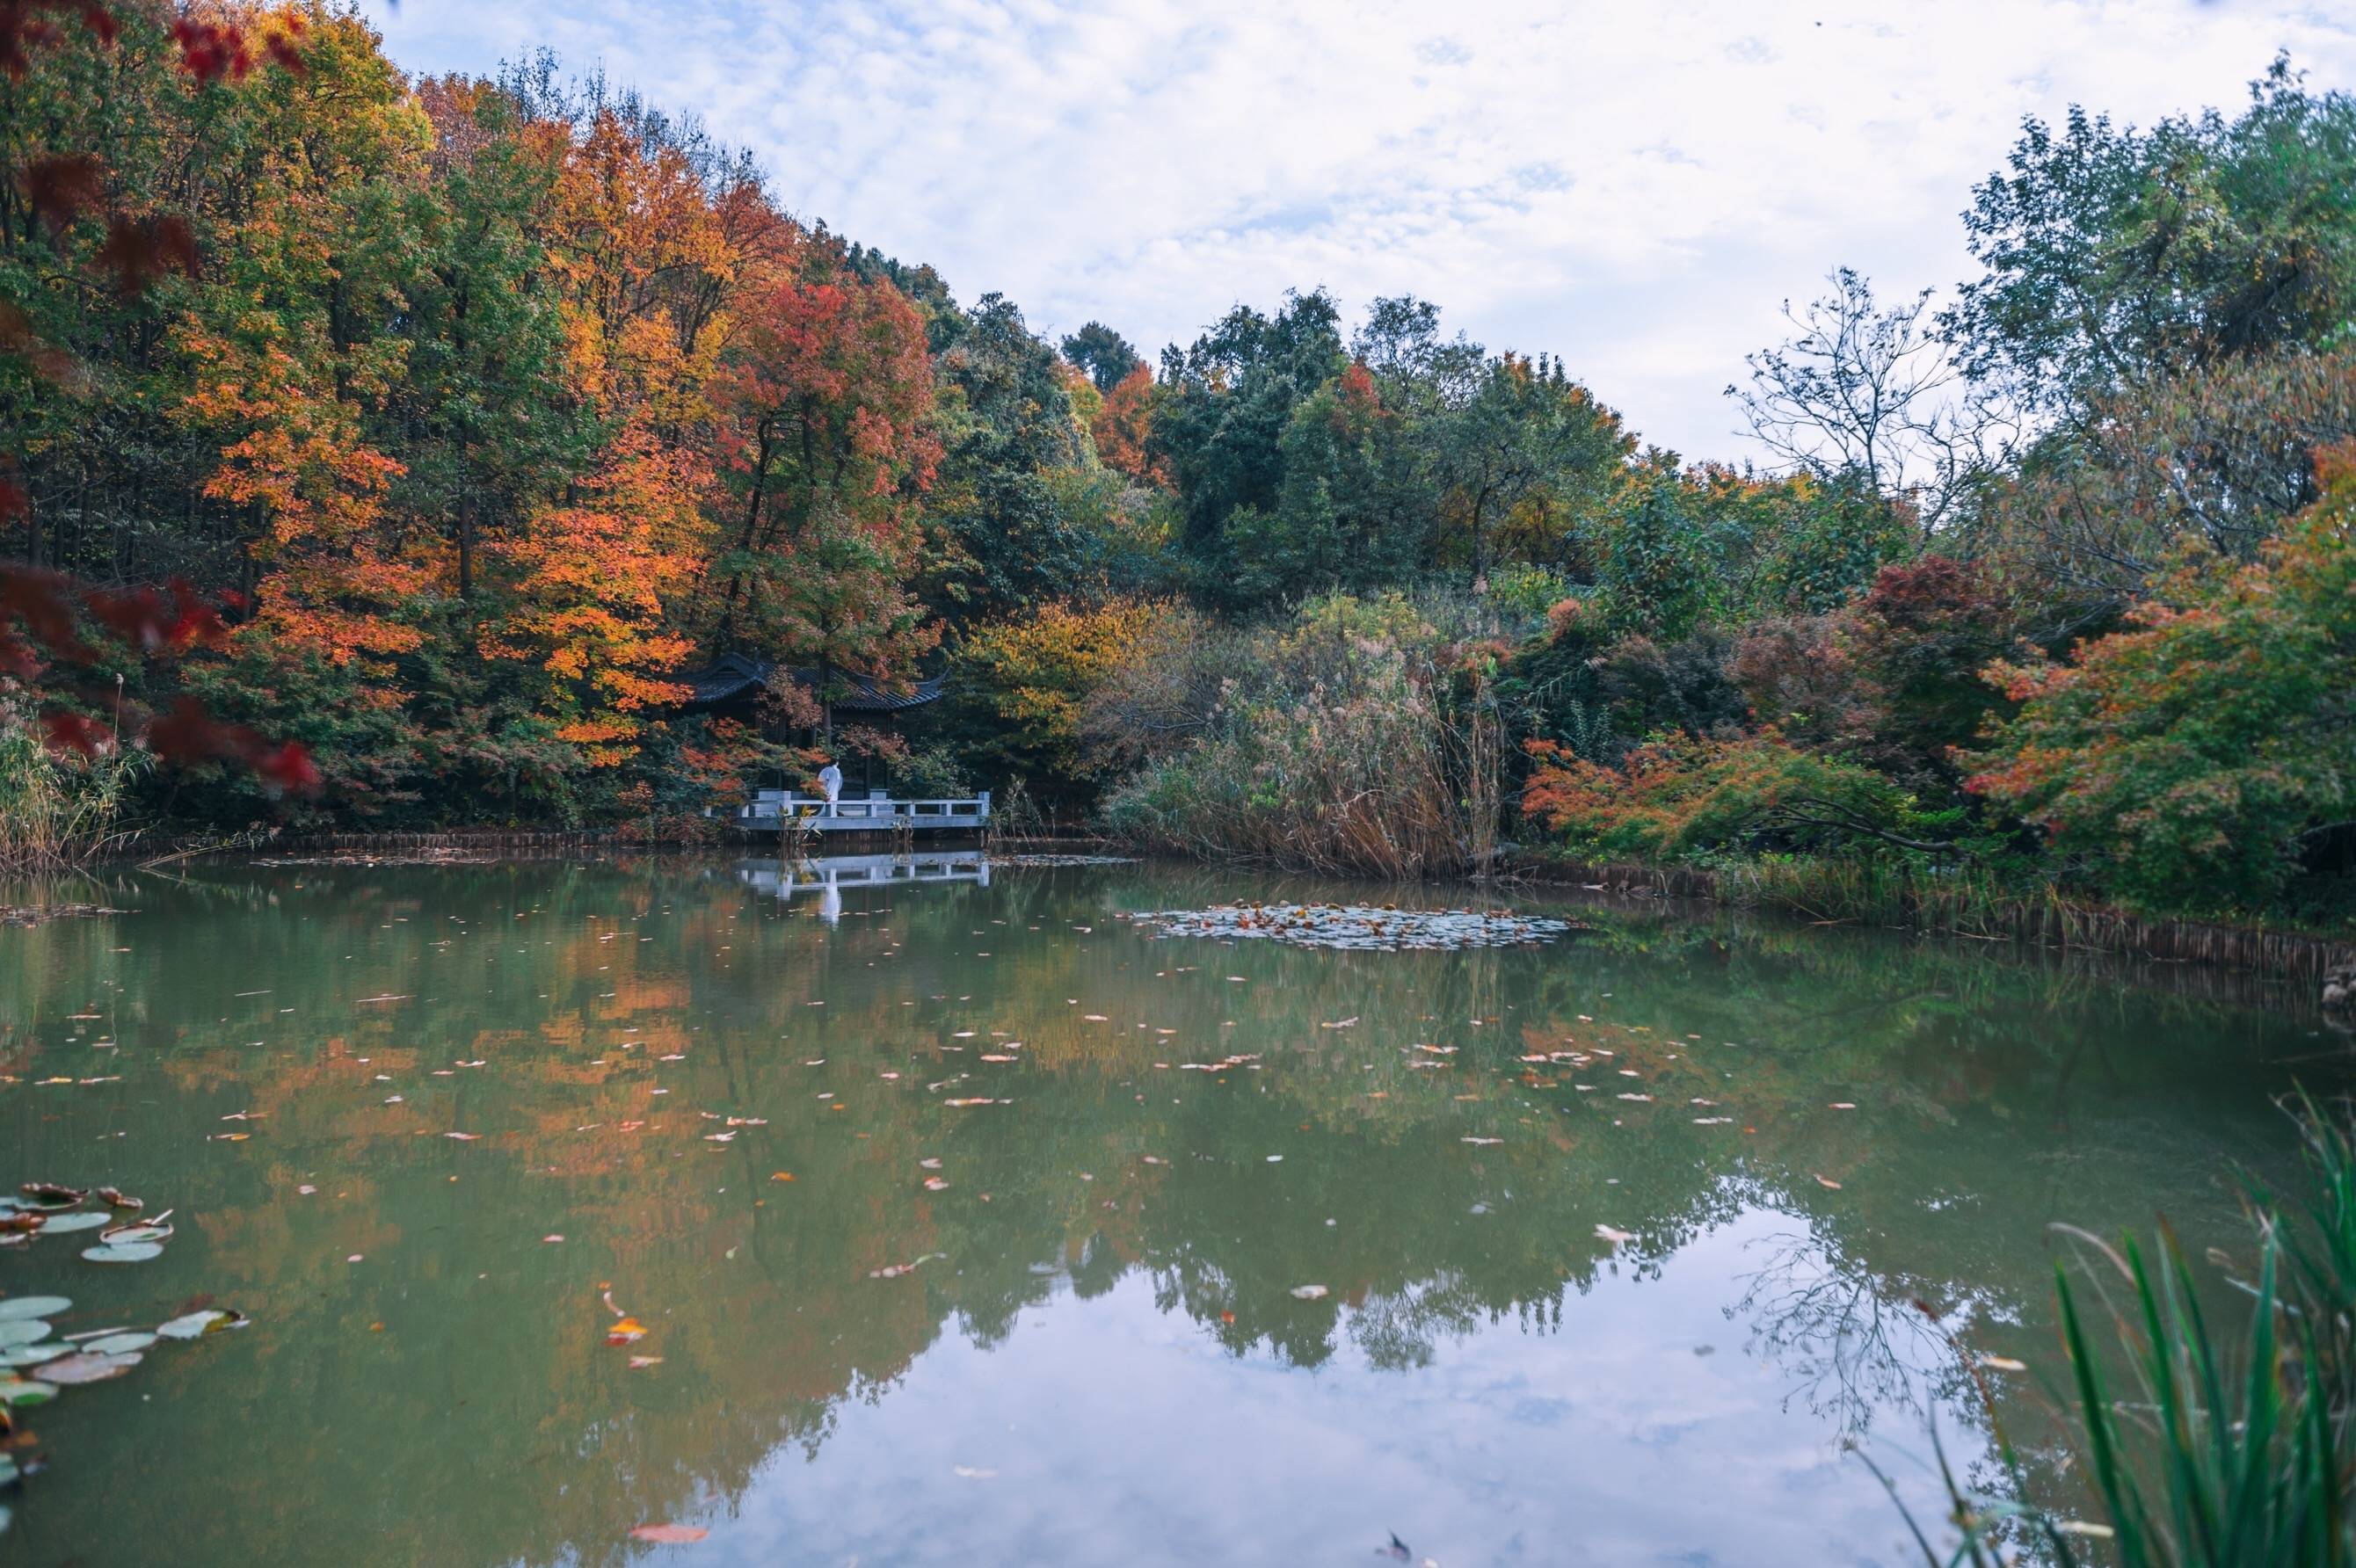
{"x":393,"y":477}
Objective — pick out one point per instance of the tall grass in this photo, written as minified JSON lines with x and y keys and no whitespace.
{"x":1367,"y":741}
{"x":58,"y":811}
{"x":2206,"y":1449}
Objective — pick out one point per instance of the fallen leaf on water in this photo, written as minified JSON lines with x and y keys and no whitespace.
{"x":1827,"y":1181}
{"x":934,"y":1184}
{"x":671,"y":1534}
{"x":1843,"y":1106}
{"x":113,"y":1197}
{"x":551,"y":1238}
{"x":1484,"y":1142}
{"x":1614,"y":1235}
{"x":932,"y":1163}
{"x":2003,"y":1364}
{"x":87,"y":1368}
{"x":626,"y":1331}
{"x":463,"y":1138}
{"x":196,"y":1325}
{"x":781,"y":1175}
{"x":1309,"y":1292}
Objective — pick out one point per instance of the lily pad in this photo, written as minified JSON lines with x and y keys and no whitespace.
{"x":63,"y":1224}
{"x":119,"y":1344}
{"x":22,"y":1332}
{"x":13,"y":1394}
{"x":50,"y":1195}
{"x":123,"y":1252}
{"x":150,"y":1231}
{"x":33,"y":1355}
{"x":33,"y":1306}
{"x":194,"y":1325}
{"x":88,"y":1368}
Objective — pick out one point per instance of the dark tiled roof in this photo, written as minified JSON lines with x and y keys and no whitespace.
{"x":733,"y":676}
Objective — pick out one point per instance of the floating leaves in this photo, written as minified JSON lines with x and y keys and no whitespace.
{"x":1310,"y":1293}
{"x":32,"y":1355}
{"x":138,"y":1230}
{"x":123,"y":1252}
{"x":196,"y":1325}
{"x":1358,"y":926}
{"x":64,"y":1224}
{"x":669,"y":1534}
{"x":88,"y":1367}
{"x":15,"y":1307}
{"x":894,"y":1270}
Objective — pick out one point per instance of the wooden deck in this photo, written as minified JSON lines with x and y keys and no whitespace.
{"x":776,"y":810}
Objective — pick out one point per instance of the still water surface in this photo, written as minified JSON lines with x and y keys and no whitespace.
{"x":705,"y":1095}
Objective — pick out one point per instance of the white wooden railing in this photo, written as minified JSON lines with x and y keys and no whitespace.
{"x":773,"y":809}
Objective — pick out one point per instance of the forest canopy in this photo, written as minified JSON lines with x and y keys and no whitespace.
{"x":465,"y":417}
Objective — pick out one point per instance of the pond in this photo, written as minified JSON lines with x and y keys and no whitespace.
{"x":956,"y":1217}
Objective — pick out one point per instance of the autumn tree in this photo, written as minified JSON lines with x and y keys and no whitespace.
{"x":827,"y":393}
{"x":2192,"y":757}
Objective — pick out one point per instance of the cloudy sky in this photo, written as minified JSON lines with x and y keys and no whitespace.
{"x":1636,"y":187}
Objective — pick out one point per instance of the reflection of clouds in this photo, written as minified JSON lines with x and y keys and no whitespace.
{"x":1118,"y":1433}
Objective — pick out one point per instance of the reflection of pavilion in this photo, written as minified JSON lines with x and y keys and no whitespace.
{"x":827,"y":875}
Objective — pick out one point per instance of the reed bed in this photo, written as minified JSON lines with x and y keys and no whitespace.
{"x":1368,"y":745}
{"x":1972,"y":904}
{"x":59,"y":811}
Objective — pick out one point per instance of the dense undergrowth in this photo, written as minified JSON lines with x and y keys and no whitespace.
{"x":471,"y":415}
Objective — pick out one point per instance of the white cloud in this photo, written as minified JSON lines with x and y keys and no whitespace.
{"x":1636,"y":187}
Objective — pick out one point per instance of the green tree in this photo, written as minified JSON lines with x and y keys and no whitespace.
{"x":2113,"y":257}
{"x":1104,"y":353}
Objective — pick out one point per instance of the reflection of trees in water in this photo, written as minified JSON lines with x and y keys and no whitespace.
{"x":1959,"y":1069}
{"x":1854,"y":1343}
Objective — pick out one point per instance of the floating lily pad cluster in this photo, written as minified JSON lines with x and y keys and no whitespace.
{"x":1053,"y":861}
{"x":1381,"y":929}
{"x":41,"y":1209}
{"x":36,"y":1359}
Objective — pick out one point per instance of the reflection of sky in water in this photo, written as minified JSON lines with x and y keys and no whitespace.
{"x":1101,"y":1310}
{"x":1118,"y":1433}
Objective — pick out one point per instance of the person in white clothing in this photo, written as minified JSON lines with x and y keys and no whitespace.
{"x":829,"y":779}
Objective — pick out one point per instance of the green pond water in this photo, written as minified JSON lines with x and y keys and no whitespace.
{"x":1096,"y":1339}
